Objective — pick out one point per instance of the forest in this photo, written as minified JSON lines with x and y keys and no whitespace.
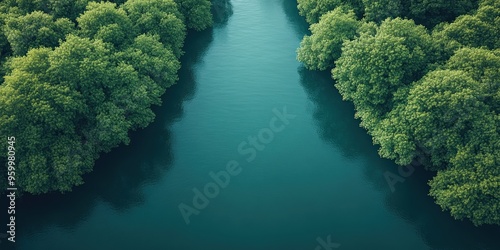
{"x":77,"y":76}
{"x":425,"y":82}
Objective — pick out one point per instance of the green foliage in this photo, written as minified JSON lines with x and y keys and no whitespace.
{"x":482,"y":65}
{"x":425,"y":12}
{"x":71,"y":93}
{"x":470,"y":187}
{"x":34,"y":30}
{"x":450,"y":122}
{"x":70,"y":9}
{"x":448,"y":102}
{"x":373,"y":67}
{"x":432,"y":12}
{"x":427,"y":98}
{"x":314,"y":9}
{"x":104,"y":21}
{"x":471,"y":193}
{"x":150,"y":58}
{"x":197,"y":13}
{"x":379,"y":10}
{"x":41,"y":114}
{"x":159,"y":17}
{"x":5,"y":49}
{"x":80,"y":82}
{"x":28,"y":6}
{"x":477,"y":30}
{"x":67,"y":8}
{"x":323,"y":47}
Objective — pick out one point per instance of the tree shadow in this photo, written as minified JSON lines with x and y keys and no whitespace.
{"x":410,"y":200}
{"x":221,"y":12}
{"x":299,"y":24}
{"x":437,"y":228}
{"x":336,"y":126}
{"x":119,"y":177}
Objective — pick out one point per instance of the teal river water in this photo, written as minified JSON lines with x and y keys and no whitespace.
{"x":318,"y":178}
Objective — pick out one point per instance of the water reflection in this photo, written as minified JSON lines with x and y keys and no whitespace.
{"x":297,"y":22}
{"x":438,"y":229}
{"x":410,"y":200}
{"x":119,"y":176}
{"x":334,"y":117}
{"x":221,"y":11}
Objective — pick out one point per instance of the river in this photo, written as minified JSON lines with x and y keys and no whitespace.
{"x":291,"y":168}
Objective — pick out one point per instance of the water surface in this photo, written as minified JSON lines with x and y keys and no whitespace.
{"x":318,"y":177}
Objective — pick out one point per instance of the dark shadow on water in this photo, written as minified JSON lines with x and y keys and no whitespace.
{"x":438,"y":229}
{"x":336,"y":122}
{"x":119,"y":176}
{"x":298,"y":22}
{"x":221,"y":12}
{"x":410,"y":200}
{"x":334,"y":117}
{"x":336,"y":125}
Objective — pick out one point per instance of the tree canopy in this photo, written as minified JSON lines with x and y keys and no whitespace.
{"x":77,"y":76}
{"x":425,"y":81}
{"x":36,"y":29}
{"x":323,"y":47}
{"x":197,"y":13}
{"x":162,"y":18}
{"x":314,"y":9}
